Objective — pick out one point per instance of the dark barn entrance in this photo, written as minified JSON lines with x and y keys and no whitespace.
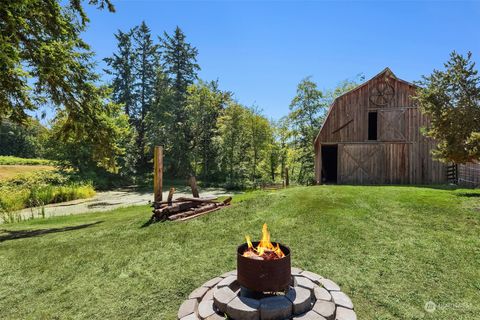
{"x":329,"y":164}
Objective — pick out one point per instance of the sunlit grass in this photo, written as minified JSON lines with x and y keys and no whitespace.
{"x":11,"y":160}
{"x":391,"y":249}
{"x":11,"y":171}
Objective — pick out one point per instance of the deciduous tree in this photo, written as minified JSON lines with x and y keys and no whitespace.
{"x":451,"y":99}
{"x":307,"y":111}
{"x":233,"y":142}
{"x":205,"y":103}
{"x":82,"y":151}
{"x":26,"y":141}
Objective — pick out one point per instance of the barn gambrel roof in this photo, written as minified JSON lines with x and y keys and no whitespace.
{"x":385,"y":72}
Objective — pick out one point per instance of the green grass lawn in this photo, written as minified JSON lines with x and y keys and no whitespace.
{"x":391,"y":249}
{"x":11,"y":171}
{"x":11,"y":160}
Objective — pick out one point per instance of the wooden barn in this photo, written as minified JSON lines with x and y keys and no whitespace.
{"x":371,"y":135}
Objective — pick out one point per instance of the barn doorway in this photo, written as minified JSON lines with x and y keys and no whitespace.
{"x":329,"y":164}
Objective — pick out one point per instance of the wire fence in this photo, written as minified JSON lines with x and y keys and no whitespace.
{"x":469,"y":174}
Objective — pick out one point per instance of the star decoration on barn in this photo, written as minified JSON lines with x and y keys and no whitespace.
{"x":381,"y":94}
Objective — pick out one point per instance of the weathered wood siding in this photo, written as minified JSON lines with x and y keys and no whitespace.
{"x":360,"y":163}
{"x":400,"y":155}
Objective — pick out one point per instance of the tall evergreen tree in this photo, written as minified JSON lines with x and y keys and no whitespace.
{"x":180,"y":65}
{"x":134,"y":68}
{"x":145,"y":72}
{"x":159,"y":118}
{"x":121,"y":68}
{"x":180,"y":62}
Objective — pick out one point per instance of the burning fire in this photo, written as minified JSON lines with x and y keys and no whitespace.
{"x":265,"y":249}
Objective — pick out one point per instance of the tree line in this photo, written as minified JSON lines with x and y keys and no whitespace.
{"x":205,"y":132}
{"x":155,"y":97}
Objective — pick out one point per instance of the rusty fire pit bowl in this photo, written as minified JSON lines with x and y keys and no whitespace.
{"x":264,"y":275}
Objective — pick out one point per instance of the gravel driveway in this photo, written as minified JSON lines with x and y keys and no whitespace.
{"x":109,"y":200}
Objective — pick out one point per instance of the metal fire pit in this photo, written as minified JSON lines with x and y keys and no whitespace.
{"x":264,"y":275}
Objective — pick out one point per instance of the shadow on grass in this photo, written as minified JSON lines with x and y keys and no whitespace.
{"x":70,"y":204}
{"x":6,"y":235}
{"x":102,"y":204}
{"x":146,"y":224}
{"x":468,"y":194}
{"x":448,"y":187}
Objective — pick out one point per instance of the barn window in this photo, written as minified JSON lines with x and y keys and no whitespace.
{"x":372,"y":125}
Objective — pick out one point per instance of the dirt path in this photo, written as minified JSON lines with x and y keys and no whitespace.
{"x":109,"y":200}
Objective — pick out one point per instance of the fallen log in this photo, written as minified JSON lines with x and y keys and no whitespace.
{"x":158,"y":205}
{"x":177,"y":207}
{"x":202,"y":199}
{"x":164,"y":212}
{"x":198,"y":214}
{"x":185,"y":207}
{"x":194,"y":212}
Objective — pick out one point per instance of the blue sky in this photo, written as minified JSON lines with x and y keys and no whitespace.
{"x":261,"y":50}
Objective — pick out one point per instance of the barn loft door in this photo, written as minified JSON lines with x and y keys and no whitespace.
{"x":391,"y":124}
{"x":361,"y":164}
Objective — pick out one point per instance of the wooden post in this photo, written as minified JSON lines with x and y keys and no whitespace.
{"x":287,"y":179}
{"x":193,"y":185}
{"x":170,"y":196}
{"x":158,"y":173}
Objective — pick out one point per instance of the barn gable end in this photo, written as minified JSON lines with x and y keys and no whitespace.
{"x":374,"y":130}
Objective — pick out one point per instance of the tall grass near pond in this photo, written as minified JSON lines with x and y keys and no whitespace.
{"x":37,"y":190}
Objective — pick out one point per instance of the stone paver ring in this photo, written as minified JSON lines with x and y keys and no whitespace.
{"x":310,"y":297}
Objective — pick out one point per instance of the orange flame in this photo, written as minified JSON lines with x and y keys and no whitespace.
{"x":265,"y":249}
